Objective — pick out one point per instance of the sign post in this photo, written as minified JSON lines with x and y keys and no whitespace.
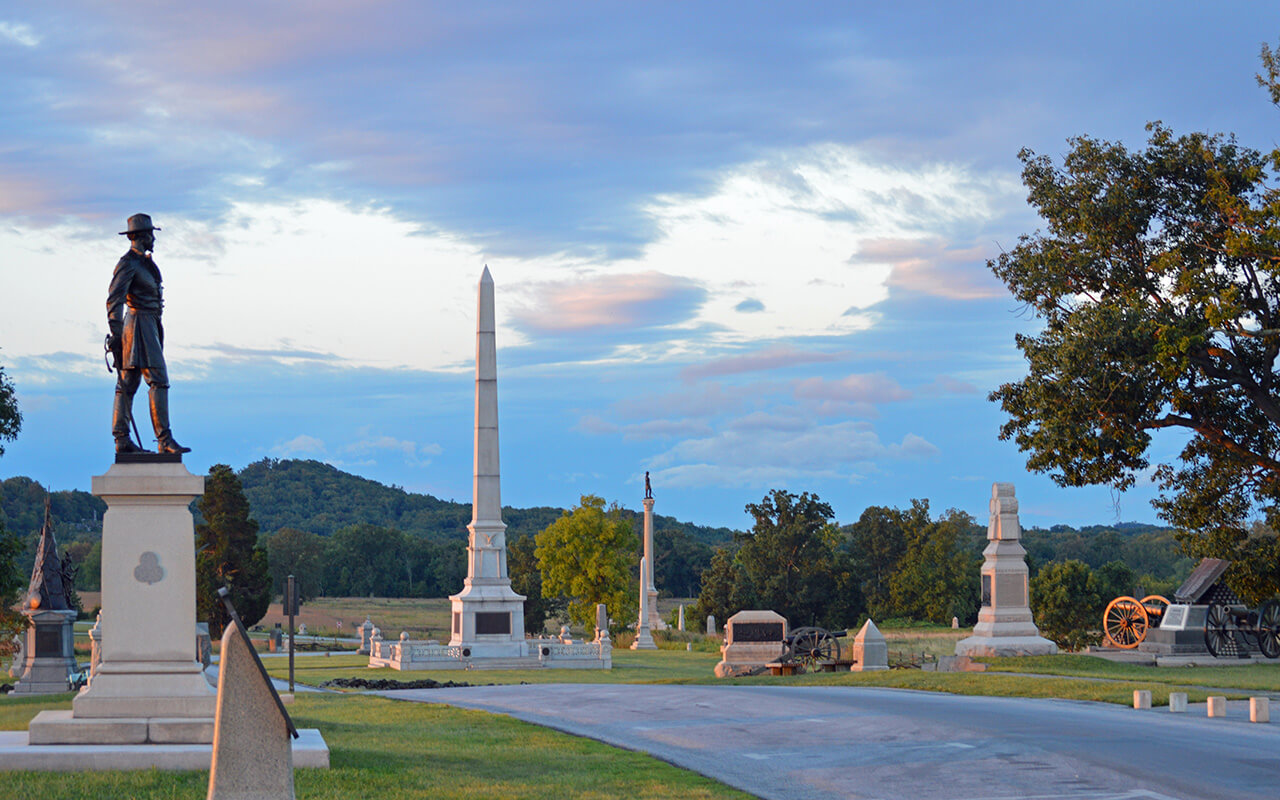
{"x":291,"y":608}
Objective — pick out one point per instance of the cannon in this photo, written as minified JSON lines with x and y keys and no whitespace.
{"x":1126,"y":620}
{"x":1230,"y":630}
{"x":812,"y":646}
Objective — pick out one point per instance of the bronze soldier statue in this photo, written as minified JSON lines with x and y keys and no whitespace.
{"x":136,"y":341}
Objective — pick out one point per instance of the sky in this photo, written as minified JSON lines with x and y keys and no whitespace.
{"x":741,"y":246}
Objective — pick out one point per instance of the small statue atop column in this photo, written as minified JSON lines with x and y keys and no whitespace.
{"x":648,"y":490}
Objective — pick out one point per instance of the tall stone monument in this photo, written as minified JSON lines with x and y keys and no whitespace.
{"x":149,"y":686}
{"x":644,"y":637}
{"x":1005,"y":627}
{"x":488,"y":616}
{"x":49,"y":655}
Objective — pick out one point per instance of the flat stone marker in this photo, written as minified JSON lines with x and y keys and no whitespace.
{"x":1141,"y":699}
{"x":1178,"y":702}
{"x":1259,"y":709}
{"x":1217,"y":706}
{"x":252,"y":747}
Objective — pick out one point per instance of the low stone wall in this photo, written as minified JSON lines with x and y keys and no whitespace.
{"x":539,"y":654}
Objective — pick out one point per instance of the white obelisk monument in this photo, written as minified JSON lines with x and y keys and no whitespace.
{"x":488,"y":617}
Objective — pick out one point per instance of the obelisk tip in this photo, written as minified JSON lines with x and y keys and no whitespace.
{"x":485,"y":277}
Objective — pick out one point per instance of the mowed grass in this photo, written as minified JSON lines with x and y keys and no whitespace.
{"x":391,"y":750}
{"x":1258,"y":677}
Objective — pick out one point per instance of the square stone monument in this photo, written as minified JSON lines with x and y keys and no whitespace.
{"x":149,"y":686}
{"x":751,"y":640}
{"x":1005,"y":627}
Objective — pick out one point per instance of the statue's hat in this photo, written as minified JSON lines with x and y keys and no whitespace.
{"x":139,"y":223}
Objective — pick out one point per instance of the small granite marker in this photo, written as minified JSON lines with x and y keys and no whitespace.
{"x":252,"y":746}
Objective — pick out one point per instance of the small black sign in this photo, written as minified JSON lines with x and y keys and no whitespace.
{"x":493,"y":622}
{"x":986,"y":590}
{"x":757,"y":631}
{"x":49,"y":642}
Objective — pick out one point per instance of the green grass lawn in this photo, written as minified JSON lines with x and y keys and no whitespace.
{"x":391,"y":750}
{"x":1259,"y":677}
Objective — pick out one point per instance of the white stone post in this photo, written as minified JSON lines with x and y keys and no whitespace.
{"x":680,"y":618}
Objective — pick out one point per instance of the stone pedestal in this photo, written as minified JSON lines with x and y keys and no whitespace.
{"x":49,"y":653}
{"x":149,"y":685}
{"x":1005,"y":627}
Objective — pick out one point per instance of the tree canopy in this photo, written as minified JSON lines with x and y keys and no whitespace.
{"x":587,"y":556}
{"x":11,"y":581}
{"x":788,"y":562}
{"x":1158,"y":282}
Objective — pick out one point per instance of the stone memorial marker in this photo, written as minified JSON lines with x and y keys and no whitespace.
{"x":252,"y":732}
{"x":751,"y":640}
{"x":711,"y":624}
{"x":870,"y":651}
{"x":1005,"y":627}
{"x":366,"y":636}
{"x":49,"y":655}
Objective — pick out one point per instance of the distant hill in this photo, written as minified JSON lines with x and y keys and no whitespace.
{"x":320,"y":498}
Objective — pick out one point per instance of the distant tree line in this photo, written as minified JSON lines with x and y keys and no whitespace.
{"x":892,"y":563}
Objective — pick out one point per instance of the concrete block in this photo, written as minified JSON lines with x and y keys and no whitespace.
{"x":180,"y":730}
{"x":1141,"y":699}
{"x":58,"y":727}
{"x":1217,"y":706}
{"x":1259,"y":709}
{"x":1178,"y":702}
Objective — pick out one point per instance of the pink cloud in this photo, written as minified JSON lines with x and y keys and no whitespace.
{"x":774,"y":357}
{"x":930,"y":267}
{"x":865,"y":388}
{"x":637,"y":300}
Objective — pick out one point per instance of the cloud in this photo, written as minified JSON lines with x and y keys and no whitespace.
{"x":931,"y":266}
{"x":301,"y":445}
{"x":18,"y":33}
{"x":772,"y":357}
{"x":234,"y":353}
{"x":631,"y":301}
{"x":412,"y":451}
{"x":946,"y":384}
{"x":749,"y":306}
{"x":665,"y":429}
{"x":843,"y":449}
{"x":706,"y":400}
{"x":865,"y":388}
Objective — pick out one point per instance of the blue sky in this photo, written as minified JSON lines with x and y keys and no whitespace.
{"x":739,"y":245}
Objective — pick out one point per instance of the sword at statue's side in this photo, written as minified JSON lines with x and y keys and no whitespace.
{"x":116,"y":353}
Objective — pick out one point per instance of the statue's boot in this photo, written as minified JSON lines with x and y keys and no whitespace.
{"x":159,"y":396}
{"x":120,"y":425}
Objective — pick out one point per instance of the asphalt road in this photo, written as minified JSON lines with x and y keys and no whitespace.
{"x":824,"y":742}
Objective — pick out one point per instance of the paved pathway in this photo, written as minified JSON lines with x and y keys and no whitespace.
{"x":851,"y":742}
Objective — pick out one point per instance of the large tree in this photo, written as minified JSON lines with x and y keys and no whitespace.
{"x":228,"y":555}
{"x":1158,"y":282}
{"x":11,"y":579}
{"x":787,"y":562}
{"x":586,"y":555}
{"x":938,"y":577}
